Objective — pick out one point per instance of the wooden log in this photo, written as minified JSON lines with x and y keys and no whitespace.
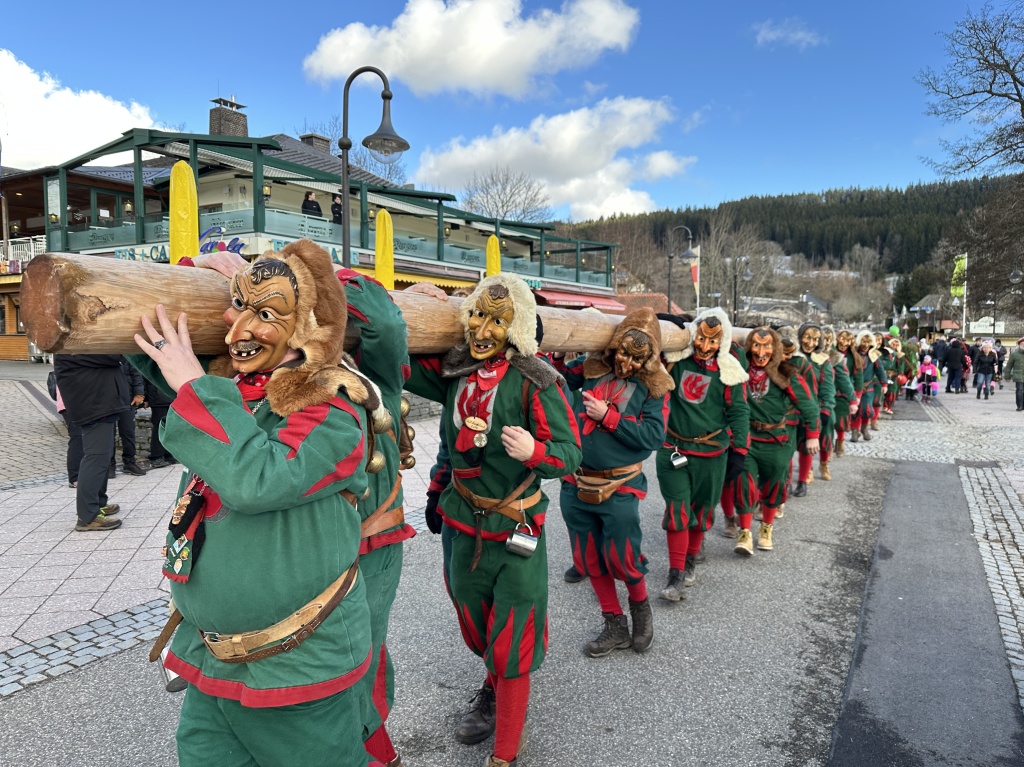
{"x":75,"y":304}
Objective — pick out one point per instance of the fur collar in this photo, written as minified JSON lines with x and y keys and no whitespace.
{"x":730,"y":369}
{"x":459,"y":362}
{"x":653,"y":374}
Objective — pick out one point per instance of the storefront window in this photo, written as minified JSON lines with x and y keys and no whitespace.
{"x":3,"y":316}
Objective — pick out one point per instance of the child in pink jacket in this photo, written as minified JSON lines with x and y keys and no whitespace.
{"x":928,"y":379}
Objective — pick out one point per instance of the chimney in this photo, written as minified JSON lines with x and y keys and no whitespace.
{"x":227,"y":120}
{"x":318,"y":142}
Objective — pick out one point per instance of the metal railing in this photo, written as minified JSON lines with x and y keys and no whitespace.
{"x":25,"y":248}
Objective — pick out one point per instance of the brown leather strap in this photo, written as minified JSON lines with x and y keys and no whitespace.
{"x":165,"y":634}
{"x":703,"y":439}
{"x":384,"y":516}
{"x":349,"y":496}
{"x":484,"y":507}
{"x":609,"y":473}
{"x":222,"y":644}
{"x":762,"y":426}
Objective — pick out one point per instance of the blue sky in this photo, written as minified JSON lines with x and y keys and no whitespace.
{"x":615,"y":105}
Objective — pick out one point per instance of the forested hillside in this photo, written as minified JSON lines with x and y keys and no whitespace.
{"x":902,"y":225}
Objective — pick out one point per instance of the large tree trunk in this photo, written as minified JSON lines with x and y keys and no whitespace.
{"x":91,"y":305}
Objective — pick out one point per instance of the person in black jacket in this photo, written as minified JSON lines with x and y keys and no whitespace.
{"x":310,"y":206}
{"x":939,"y":351}
{"x":126,"y":423}
{"x":955,"y":366}
{"x":984,"y":369}
{"x":159,"y":404}
{"x":336,"y":210}
{"x":95,"y":393}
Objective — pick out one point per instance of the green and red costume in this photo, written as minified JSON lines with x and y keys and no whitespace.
{"x":707,"y":417}
{"x":383,"y":357}
{"x":819,"y":370}
{"x":606,"y":538}
{"x":846,"y":397}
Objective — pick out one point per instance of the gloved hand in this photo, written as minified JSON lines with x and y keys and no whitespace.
{"x":675,"y":319}
{"x":734,"y":466}
{"x":434,"y":519}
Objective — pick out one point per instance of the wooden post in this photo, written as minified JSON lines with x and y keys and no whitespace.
{"x":91,"y":305}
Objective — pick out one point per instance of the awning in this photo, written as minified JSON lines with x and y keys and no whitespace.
{"x":579,"y":300}
{"x":412,"y":279}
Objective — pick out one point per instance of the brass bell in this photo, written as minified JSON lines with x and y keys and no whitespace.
{"x":408,"y":462}
{"x":376,"y":463}
{"x":406,"y":406}
{"x":410,"y":433}
{"x":381,"y":420}
{"x":366,"y":493}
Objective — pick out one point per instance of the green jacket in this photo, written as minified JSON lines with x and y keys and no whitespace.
{"x":702,"y":404}
{"x":1013,"y":368}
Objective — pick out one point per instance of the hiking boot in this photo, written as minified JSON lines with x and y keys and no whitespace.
{"x":674,"y":591}
{"x":864,"y":432}
{"x":731,"y":528}
{"x":158,"y":463}
{"x":572,"y":575}
{"x":810,"y":477}
{"x":102,"y":522}
{"x":764,"y":537}
{"x":700,"y":556}
{"x":874,"y":427}
{"x":986,"y":394}
{"x":800,"y":490}
{"x":841,"y":448}
{"x":478,"y":723}
{"x":758,"y":514}
{"x":744,"y":543}
{"x":690,"y":572}
{"x":781,"y":510}
{"x":134,"y":469}
{"x":111,"y":471}
{"x":614,"y":636}
{"x":110,"y":510}
{"x":825,"y":473}
{"x":855,"y":435}
{"x":396,"y":762}
{"x":643,"y":625}
{"x":493,"y":761}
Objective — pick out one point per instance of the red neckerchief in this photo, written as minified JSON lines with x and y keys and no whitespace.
{"x":758,"y":385}
{"x":711,"y":365}
{"x":251,"y":385}
{"x":482,"y":380}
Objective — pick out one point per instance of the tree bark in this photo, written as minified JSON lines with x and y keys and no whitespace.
{"x":76,"y":304}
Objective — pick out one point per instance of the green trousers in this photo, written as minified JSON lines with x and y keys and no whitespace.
{"x":381,"y":569}
{"x":691,"y":492}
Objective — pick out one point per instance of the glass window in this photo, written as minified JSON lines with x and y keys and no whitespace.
{"x":3,"y":315}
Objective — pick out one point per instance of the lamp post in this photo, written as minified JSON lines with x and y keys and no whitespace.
{"x":747,"y":277}
{"x":689,"y":254}
{"x":384,"y":145}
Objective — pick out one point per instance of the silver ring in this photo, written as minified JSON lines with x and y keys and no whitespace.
{"x":161,"y":343}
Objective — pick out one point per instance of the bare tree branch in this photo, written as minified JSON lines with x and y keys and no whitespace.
{"x":358,"y":155}
{"x":504,"y":193}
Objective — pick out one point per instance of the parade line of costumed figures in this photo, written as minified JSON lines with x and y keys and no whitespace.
{"x":293,"y":498}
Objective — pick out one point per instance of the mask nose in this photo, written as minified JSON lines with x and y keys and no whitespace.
{"x":239,"y":330}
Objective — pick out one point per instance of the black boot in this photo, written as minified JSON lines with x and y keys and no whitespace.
{"x":572,"y":575}
{"x":643,"y":625}
{"x":478,"y":724}
{"x":801,"y":489}
{"x":690,"y":572}
{"x":614,"y":636}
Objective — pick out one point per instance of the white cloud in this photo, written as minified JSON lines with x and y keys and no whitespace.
{"x":582,"y":157}
{"x":792,"y":32}
{"x":43,"y":123}
{"x":695,"y":119}
{"x":481,"y":46}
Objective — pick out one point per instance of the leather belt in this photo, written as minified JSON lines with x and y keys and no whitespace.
{"x":507,"y":506}
{"x":703,"y":439}
{"x":762,"y":426}
{"x":383,"y":516}
{"x":609,"y":473}
{"x":294,"y":630}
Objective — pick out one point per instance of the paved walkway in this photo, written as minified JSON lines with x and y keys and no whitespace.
{"x":758,"y":667}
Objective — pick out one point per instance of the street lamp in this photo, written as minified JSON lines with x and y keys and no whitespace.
{"x":747,"y":277}
{"x":384,"y":145}
{"x":689,"y":254}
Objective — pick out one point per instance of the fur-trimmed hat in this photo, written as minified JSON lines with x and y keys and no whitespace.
{"x":321,"y":315}
{"x":523,"y":330}
{"x":778,"y":376}
{"x":818,"y":355}
{"x":729,"y":368}
{"x":873,"y":352}
{"x":653,"y":374}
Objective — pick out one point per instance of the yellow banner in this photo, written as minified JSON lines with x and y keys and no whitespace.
{"x":959,"y":281}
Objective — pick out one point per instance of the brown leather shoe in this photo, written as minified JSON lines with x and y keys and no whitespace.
{"x":478,"y":723}
{"x":100,"y":523}
{"x":825,"y":473}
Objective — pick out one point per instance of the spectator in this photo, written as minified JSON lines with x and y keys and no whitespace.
{"x":984,"y":368}
{"x":74,"y":458}
{"x":336,"y":210}
{"x":95,"y":393}
{"x":955,"y":366}
{"x":939,"y":351}
{"x":126,"y":424}
{"x":310,"y":206}
{"x":1014,"y":370}
{"x":1000,"y":351}
{"x":159,"y":403}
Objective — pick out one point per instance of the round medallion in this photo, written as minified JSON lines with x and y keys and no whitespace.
{"x":480,"y":439}
{"x":476,"y":423}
